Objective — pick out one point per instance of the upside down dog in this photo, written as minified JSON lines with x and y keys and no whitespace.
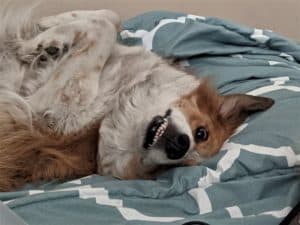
{"x":75,"y":102}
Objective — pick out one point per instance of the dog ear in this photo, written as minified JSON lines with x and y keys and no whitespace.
{"x":229,"y":110}
{"x":234,"y":109}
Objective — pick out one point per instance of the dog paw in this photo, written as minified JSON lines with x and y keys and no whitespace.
{"x":42,"y":54}
{"x":51,"y":52}
{"x":49,"y":120}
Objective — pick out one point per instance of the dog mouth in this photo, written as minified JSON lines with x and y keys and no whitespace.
{"x":156,"y":129}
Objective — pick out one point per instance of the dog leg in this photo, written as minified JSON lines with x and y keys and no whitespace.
{"x":66,"y":103}
{"x":63,"y":19}
{"x":67,"y":17}
{"x":49,"y":46}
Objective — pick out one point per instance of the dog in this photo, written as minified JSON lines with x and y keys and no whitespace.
{"x":75,"y":102}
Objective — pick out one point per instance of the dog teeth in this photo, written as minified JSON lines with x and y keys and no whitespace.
{"x":160,"y":131}
{"x":154,"y":141}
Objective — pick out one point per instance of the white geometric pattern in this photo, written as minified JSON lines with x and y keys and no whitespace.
{"x":226,"y":162}
{"x":101,"y":196}
{"x":233,"y":151}
{"x":259,"y":36}
{"x":235,"y":212}
{"x":148,"y":36}
{"x":278,"y":84}
{"x":287,"y":56}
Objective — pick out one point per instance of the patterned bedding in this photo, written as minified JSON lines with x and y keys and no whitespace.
{"x":255,"y":179}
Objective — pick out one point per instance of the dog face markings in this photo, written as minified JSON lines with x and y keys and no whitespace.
{"x":214,"y":118}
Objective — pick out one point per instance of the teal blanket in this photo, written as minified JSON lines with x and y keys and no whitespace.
{"x":255,"y":179}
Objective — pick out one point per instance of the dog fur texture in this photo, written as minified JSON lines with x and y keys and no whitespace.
{"x":74,"y":102}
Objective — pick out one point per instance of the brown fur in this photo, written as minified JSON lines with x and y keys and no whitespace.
{"x":220,"y":115}
{"x":31,"y":154}
{"x":32,"y":149}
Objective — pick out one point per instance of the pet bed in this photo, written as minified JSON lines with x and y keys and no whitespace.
{"x":253,"y":180}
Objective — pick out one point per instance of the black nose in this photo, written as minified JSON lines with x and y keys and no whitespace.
{"x":177,"y":146}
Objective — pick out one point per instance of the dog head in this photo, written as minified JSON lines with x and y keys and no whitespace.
{"x":142,"y":137}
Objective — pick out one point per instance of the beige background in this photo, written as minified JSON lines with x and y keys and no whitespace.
{"x":282,"y":16}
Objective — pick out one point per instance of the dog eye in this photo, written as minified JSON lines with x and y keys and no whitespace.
{"x":201,"y":134}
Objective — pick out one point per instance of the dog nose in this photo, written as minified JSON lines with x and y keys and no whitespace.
{"x":177,"y":146}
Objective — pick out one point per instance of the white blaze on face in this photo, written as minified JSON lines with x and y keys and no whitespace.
{"x":178,"y":119}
